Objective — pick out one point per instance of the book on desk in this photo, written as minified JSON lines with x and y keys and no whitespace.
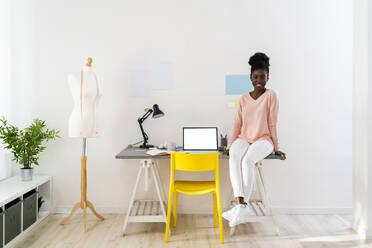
{"x":157,"y":152}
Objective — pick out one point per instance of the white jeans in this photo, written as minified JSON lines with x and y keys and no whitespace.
{"x":243,"y":157}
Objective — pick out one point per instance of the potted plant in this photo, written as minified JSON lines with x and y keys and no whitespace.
{"x":26,"y":144}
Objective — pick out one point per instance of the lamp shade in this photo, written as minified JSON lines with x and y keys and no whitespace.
{"x":157,"y":112}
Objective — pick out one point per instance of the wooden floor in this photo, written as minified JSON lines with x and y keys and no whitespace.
{"x":307,"y":231}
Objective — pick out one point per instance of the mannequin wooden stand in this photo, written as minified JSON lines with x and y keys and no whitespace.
{"x":84,"y":203}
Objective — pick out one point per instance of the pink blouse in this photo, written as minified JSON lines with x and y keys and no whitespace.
{"x":256,"y":119}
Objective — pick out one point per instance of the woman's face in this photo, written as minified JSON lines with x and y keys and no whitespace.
{"x":259,"y":79}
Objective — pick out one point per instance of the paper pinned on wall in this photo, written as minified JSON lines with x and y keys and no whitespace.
{"x":161,"y":76}
{"x":238,"y":84}
{"x":139,"y":83}
{"x":232,"y":103}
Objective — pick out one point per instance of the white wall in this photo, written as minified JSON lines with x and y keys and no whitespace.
{"x":5,"y":31}
{"x":310,"y":45}
{"x":362,"y":119}
{"x":5,"y":81}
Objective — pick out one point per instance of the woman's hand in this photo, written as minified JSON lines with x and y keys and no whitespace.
{"x":282,"y":154}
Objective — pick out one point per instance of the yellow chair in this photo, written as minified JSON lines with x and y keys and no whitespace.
{"x":194,"y":162}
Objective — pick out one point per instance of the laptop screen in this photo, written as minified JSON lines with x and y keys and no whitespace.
{"x":200,"y":138}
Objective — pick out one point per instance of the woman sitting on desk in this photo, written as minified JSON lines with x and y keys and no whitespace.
{"x":253,"y":137}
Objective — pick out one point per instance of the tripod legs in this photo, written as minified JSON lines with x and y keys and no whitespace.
{"x":84,"y":203}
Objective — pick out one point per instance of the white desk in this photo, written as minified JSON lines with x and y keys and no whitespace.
{"x":155,"y":211}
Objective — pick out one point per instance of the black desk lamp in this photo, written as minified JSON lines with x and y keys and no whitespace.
{"x":156,"y":113}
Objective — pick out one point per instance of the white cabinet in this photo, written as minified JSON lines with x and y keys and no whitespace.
{"x":12,"y":192}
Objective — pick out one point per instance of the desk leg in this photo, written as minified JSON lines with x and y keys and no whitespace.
{"x":262,"y":189}
{"x":132,"y":199}
{"x":266,"y":197}
{"x":158,"y":191}
{"x":157,"y":174}
{"x":259,"y":186}
{"x":146,"y":164}
{"x":147,"y":216}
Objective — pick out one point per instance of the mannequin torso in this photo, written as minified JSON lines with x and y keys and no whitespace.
{"x":86,"y":94}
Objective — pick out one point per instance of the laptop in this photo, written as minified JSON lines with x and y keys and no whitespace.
{"x":200,"y":139}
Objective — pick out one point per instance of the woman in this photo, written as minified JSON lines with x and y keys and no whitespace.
{"x":253,"y":137}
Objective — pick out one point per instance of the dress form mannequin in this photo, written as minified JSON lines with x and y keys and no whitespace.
{"x":82,"y":124}
{"x":86,"y":94}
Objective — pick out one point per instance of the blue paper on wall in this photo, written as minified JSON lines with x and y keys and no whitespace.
{"x":238,"y":84}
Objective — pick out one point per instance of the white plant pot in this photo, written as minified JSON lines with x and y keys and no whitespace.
{"x":26,"y":174}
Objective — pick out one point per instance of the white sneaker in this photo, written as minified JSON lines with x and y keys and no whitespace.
{"x":241,"y":215}
{"x":230,"y":214}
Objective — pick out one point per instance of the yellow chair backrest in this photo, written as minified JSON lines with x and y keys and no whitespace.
{"x":194,"y":161}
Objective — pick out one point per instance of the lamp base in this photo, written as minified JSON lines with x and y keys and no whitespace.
{"x":146,"y":146}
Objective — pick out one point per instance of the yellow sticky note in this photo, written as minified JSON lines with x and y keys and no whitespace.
{"x":231,"y":103}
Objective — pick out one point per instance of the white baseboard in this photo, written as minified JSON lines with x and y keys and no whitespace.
{"x":276,"y":210}
{"x":312,"y":210}
{"x":100,"y":210}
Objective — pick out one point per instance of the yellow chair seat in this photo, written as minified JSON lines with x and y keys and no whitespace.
{"x":195,"y":187}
